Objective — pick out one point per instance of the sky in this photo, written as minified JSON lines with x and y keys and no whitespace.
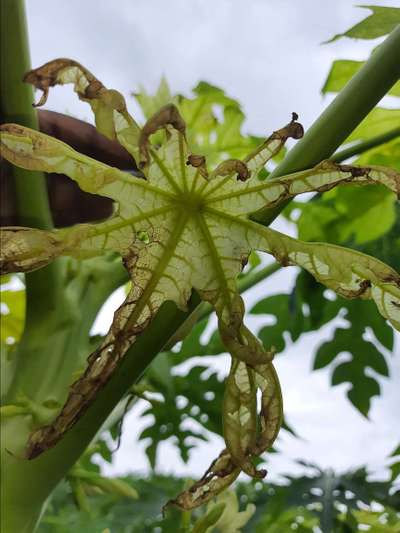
{"x":269,"y":56}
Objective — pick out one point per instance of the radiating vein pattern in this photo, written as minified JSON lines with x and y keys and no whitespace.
{"x":185,"y":227}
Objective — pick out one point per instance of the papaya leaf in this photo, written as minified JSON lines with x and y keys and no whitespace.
{"x":186,"y":227}
{"x":208,"y":134}
{"x":382,"y":21}
{"x":307,"y":308}
{"x":342,"y":70}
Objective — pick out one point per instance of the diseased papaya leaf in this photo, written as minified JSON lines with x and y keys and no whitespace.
{"x":183,"y":401}
{"x":186,"y":227}
{"x":350,"y":215}
{"x":382,"y":21}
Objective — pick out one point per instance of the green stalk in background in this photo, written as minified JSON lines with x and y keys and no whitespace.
{"x":342,"y":116}
{"x":30,"y":187}
{"x":364,"y":146}
{"x":50,"y":351}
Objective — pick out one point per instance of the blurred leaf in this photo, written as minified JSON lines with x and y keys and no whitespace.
{"x":317,"y":494}
{"x":206,"y":522}
{"x":295,"y":518}
{"x":382,"y":21}
{"x":189,"y":402}
{"x":152,"y":103}
{"x":380,"y":120}
{"x":12,"y":315}
{"x":342,"y":70}
{"x":7,"y":367}
{"x":387,"y":154}
{"x":302,"y":503}
{"x":384,"y":521}
{"x":122,"y":515}
{"x":232,"y":520}
{"x":286,"y":319}
{"x":395,"y":464}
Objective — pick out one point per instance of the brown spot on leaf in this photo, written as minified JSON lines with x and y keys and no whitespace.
{"x":356,"y":172}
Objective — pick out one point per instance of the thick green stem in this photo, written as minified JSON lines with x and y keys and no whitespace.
{"x":16,"y":100}
{"x":342,"y":116}
{"x":364,"y":146}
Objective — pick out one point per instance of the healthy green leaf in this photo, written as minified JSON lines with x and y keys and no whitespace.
{"x":186,"y":227}
{"x":380,"y":120}
{"x":382,"y":21}
{"x":342,"y":70}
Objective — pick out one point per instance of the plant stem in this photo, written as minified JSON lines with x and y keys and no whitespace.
{"x":364,"y":146}
{"x":30,"y":187}
{"x":342,"y":116}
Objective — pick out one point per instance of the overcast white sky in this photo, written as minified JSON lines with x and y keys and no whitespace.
{"x":267,"y":55}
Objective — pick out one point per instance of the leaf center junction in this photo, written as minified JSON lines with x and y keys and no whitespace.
{"x":190,"y":202}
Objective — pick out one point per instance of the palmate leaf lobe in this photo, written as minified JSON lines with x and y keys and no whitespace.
{"x":186,"y":227}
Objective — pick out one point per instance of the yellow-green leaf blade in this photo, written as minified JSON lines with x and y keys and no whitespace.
{"x":348,"y":272}
{"x":243,"y":198}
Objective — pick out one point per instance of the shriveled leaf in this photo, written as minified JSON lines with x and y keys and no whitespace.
{"x":181,"y":228}
{"x":108,"y":105}
{"x":219,"y":476}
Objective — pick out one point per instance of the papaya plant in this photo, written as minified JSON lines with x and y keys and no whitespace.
{"x":185,"y":229}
